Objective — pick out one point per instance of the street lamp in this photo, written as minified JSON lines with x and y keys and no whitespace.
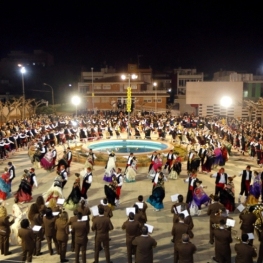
{"x":155,"y":87}
{"x":76,"y":101}
{"x":129,"y":77}
{"x":23,"y":71}
{"x":52,"y":91}
{"x":226,"y":102}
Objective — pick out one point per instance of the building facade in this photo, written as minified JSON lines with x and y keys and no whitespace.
{"x":106,"y":90}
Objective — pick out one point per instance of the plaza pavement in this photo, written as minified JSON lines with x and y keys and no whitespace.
{"x":162,"y":221}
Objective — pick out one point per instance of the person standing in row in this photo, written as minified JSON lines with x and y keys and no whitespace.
{"x":73,"y":219}
{"x":212,"y":209}
{"x":62,"y":229}
{"x":178,"y":230}
{"x":133,"y":230}
{"x":245,"y":252}
{"x":81,"y":238}
{"x":186,"y":250}
{"x":101,"y":226}
{"x":260,"y":251}
{"x":248,"y":221}
{"x":245,"y":182}
{"x":27,"y":236}
{"x":5,"y":230}
{"x":86,"y":183}
{"x":50,"y":232}
{"x":222,"y":243}
{"x":144,"y":247}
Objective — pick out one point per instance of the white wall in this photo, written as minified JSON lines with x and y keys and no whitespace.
{"x":211,"y":92}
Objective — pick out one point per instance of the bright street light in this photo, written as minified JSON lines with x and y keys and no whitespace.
{"x":226,"y":102}
{"x":75,"y":100}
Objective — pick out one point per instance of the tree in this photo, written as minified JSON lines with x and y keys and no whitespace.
{"x":11,"y":105}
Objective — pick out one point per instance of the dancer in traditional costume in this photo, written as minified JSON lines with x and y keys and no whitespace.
{"x":110,"y":191}
{"x":158,"y":194}
{"x":199,"y":196}
{"x":131,"y":171}
{"x":24,"y":192}
{"x":176,"y":169}
{"x":55,"y":191}
{"x":19,"y":213}
{"x":110,"y":167}
{"x":227,"y":196}
{"x":47,"y":161}
{"x":254,"y":190}
{"x":4,"y":185}
{"x":75,"y":195}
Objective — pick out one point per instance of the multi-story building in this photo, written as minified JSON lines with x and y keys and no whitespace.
{"x":106,"y":90}
{"x":239,"y":87}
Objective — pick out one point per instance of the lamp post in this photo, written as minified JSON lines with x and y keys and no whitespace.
{"x":76,"y":101}
{"x":92,"y":89}
{"x":52,"y":91}
{"x":129,"y":99}
{"x":226,"y":102}
{"x":23,"y":71}
{"x":155,"y":104}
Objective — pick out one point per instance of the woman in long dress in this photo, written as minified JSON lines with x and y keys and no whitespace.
{"x":199,"y":196}
{"x":24,"y":192}
{"x":19,"y":213}
{"x":255,"y":190}
{"x":47,"y":161}
{"x":110,"y":167}
{"x":55,"y":191}
{"x":158,"y":162}
{"x":4,"y":185}
{"x":158,"y":194}
{"x":227,"y":197}
{"x":131,"y":171}
{"x":175,"y":169}
{"x":110,"y":192}
{"x":75,"y":195}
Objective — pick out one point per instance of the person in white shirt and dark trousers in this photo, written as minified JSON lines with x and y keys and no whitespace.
{"x":245,"y":182}
{"x":221,"y":181}
{"x":64,"y":175}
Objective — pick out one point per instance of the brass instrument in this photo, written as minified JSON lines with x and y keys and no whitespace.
{"x":229,"y":228}
{"x":240,"y":241}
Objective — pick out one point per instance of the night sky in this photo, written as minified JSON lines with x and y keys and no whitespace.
{"x":207,"y":35}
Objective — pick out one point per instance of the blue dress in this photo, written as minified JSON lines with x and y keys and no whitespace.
{"x":156,"y":199}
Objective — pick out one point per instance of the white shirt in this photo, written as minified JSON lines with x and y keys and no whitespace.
{"x":89,"y":180}
{"x":120,"y":179}
{"x":247,"y":176}
{"x":222,"y":178}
